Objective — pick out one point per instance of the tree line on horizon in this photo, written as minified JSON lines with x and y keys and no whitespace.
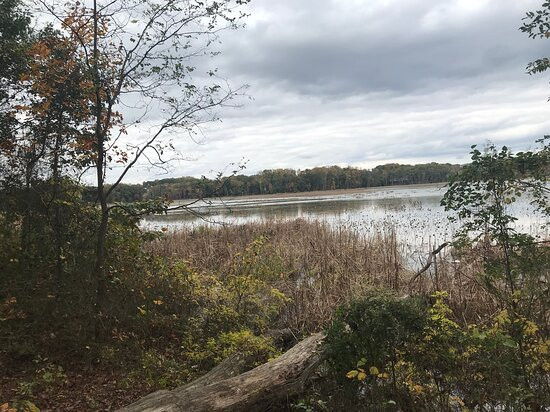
{"x":284,"y":181}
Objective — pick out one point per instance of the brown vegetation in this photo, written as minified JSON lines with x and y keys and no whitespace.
{"x":320,"y":267}
{"x":323,"y":267}
{"x":317,"y":267}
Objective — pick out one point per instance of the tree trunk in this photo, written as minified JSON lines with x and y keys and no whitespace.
{"x":99,"y":274}
{"x":56,"y":180}
{"x":99,"y":270}
{"x":218,"y":390}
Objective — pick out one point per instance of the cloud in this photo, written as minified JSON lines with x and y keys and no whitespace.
{"x":369,"y":82}
{"x":332,"y":47}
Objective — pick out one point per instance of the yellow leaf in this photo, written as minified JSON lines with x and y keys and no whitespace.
{"x":31,"y":407}
{"x":374,"y":370}
{"x":158,"y":302}
{"x":5,"y":407}
{"x":418,"y":389}
{"x":352,"y":374}
{"x":361,"y":376}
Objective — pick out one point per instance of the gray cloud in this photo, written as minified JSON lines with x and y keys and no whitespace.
{"x":325,"y":47}
{"x":369,"y":82}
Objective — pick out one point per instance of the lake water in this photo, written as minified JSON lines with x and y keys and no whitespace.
{"x":413,"y":212}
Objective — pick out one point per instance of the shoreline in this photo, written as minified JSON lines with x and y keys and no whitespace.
{"x":315,"y":193}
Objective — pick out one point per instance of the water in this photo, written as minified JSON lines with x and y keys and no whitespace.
{"x":413,"y":212}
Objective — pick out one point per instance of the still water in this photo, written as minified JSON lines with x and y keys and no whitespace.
{"x":413,"y":213}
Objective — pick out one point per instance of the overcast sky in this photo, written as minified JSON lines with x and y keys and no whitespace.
{"x":368,"y":82}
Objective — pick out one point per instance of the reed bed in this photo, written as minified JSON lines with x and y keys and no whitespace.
{"x":322,"y":267}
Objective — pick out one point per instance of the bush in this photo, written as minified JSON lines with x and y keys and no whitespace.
{"x":366,"y":341}
{"x":400,"y":354}
{"x":164,"y":321}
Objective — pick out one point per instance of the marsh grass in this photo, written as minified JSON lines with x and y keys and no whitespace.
{"x":457,"y":273}
{"x":321,"y":267}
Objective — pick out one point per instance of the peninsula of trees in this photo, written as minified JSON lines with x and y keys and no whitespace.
{"x":285,"y":181}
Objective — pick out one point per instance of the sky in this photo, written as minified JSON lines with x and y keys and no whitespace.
{"x":367,"y":82}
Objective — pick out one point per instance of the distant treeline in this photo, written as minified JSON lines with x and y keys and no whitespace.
{"x":285,"y":181}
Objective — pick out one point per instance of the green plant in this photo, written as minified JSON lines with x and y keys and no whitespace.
{"x":516,"y":265}
{"x":309,"y":405}
{"x":25,"y":389}
{"x":46,"y":376}
{"x":48,"y":373}
{"x":249,"y":284}
{"x":366,"y":342}
{"x":439,"y":364}
{"x":158,"y":371}
{"x":254,"y":349}
{"x":483,"y":195}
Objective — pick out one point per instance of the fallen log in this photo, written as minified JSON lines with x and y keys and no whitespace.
{"x":252,"y":390}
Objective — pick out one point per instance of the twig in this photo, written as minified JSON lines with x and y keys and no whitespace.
{"x":430,"y":260}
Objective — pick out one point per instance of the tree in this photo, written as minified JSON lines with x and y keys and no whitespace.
{"x":14,"y":36}
{"x":537,"y":26}
{"x":483,"y":192}
{"x":516,"y":265}
{"x":138,"y":60}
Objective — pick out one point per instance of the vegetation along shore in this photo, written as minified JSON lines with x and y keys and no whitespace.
{"x":281,"y":181}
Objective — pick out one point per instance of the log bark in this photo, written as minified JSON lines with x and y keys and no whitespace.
{"x":252,"y":390}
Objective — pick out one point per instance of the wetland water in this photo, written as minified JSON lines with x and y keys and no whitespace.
{"x":413,"y":213}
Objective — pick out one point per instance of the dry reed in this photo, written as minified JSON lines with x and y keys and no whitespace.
{"x":325,"y":267}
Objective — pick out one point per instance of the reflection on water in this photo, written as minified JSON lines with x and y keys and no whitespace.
{"x":413,"y":212}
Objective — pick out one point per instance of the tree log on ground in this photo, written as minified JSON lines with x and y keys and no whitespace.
{"x":255,"y":389}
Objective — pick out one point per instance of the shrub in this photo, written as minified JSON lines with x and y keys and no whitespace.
{"x":399,"y":354}
{"x":367,"y":340}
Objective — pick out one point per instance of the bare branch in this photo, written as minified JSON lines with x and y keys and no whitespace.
{"x":430,"y":260}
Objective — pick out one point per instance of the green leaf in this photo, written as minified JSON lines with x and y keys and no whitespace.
{"x":509,"y":343}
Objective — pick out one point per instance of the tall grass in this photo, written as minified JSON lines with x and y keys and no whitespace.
{"x":322,"y":267}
